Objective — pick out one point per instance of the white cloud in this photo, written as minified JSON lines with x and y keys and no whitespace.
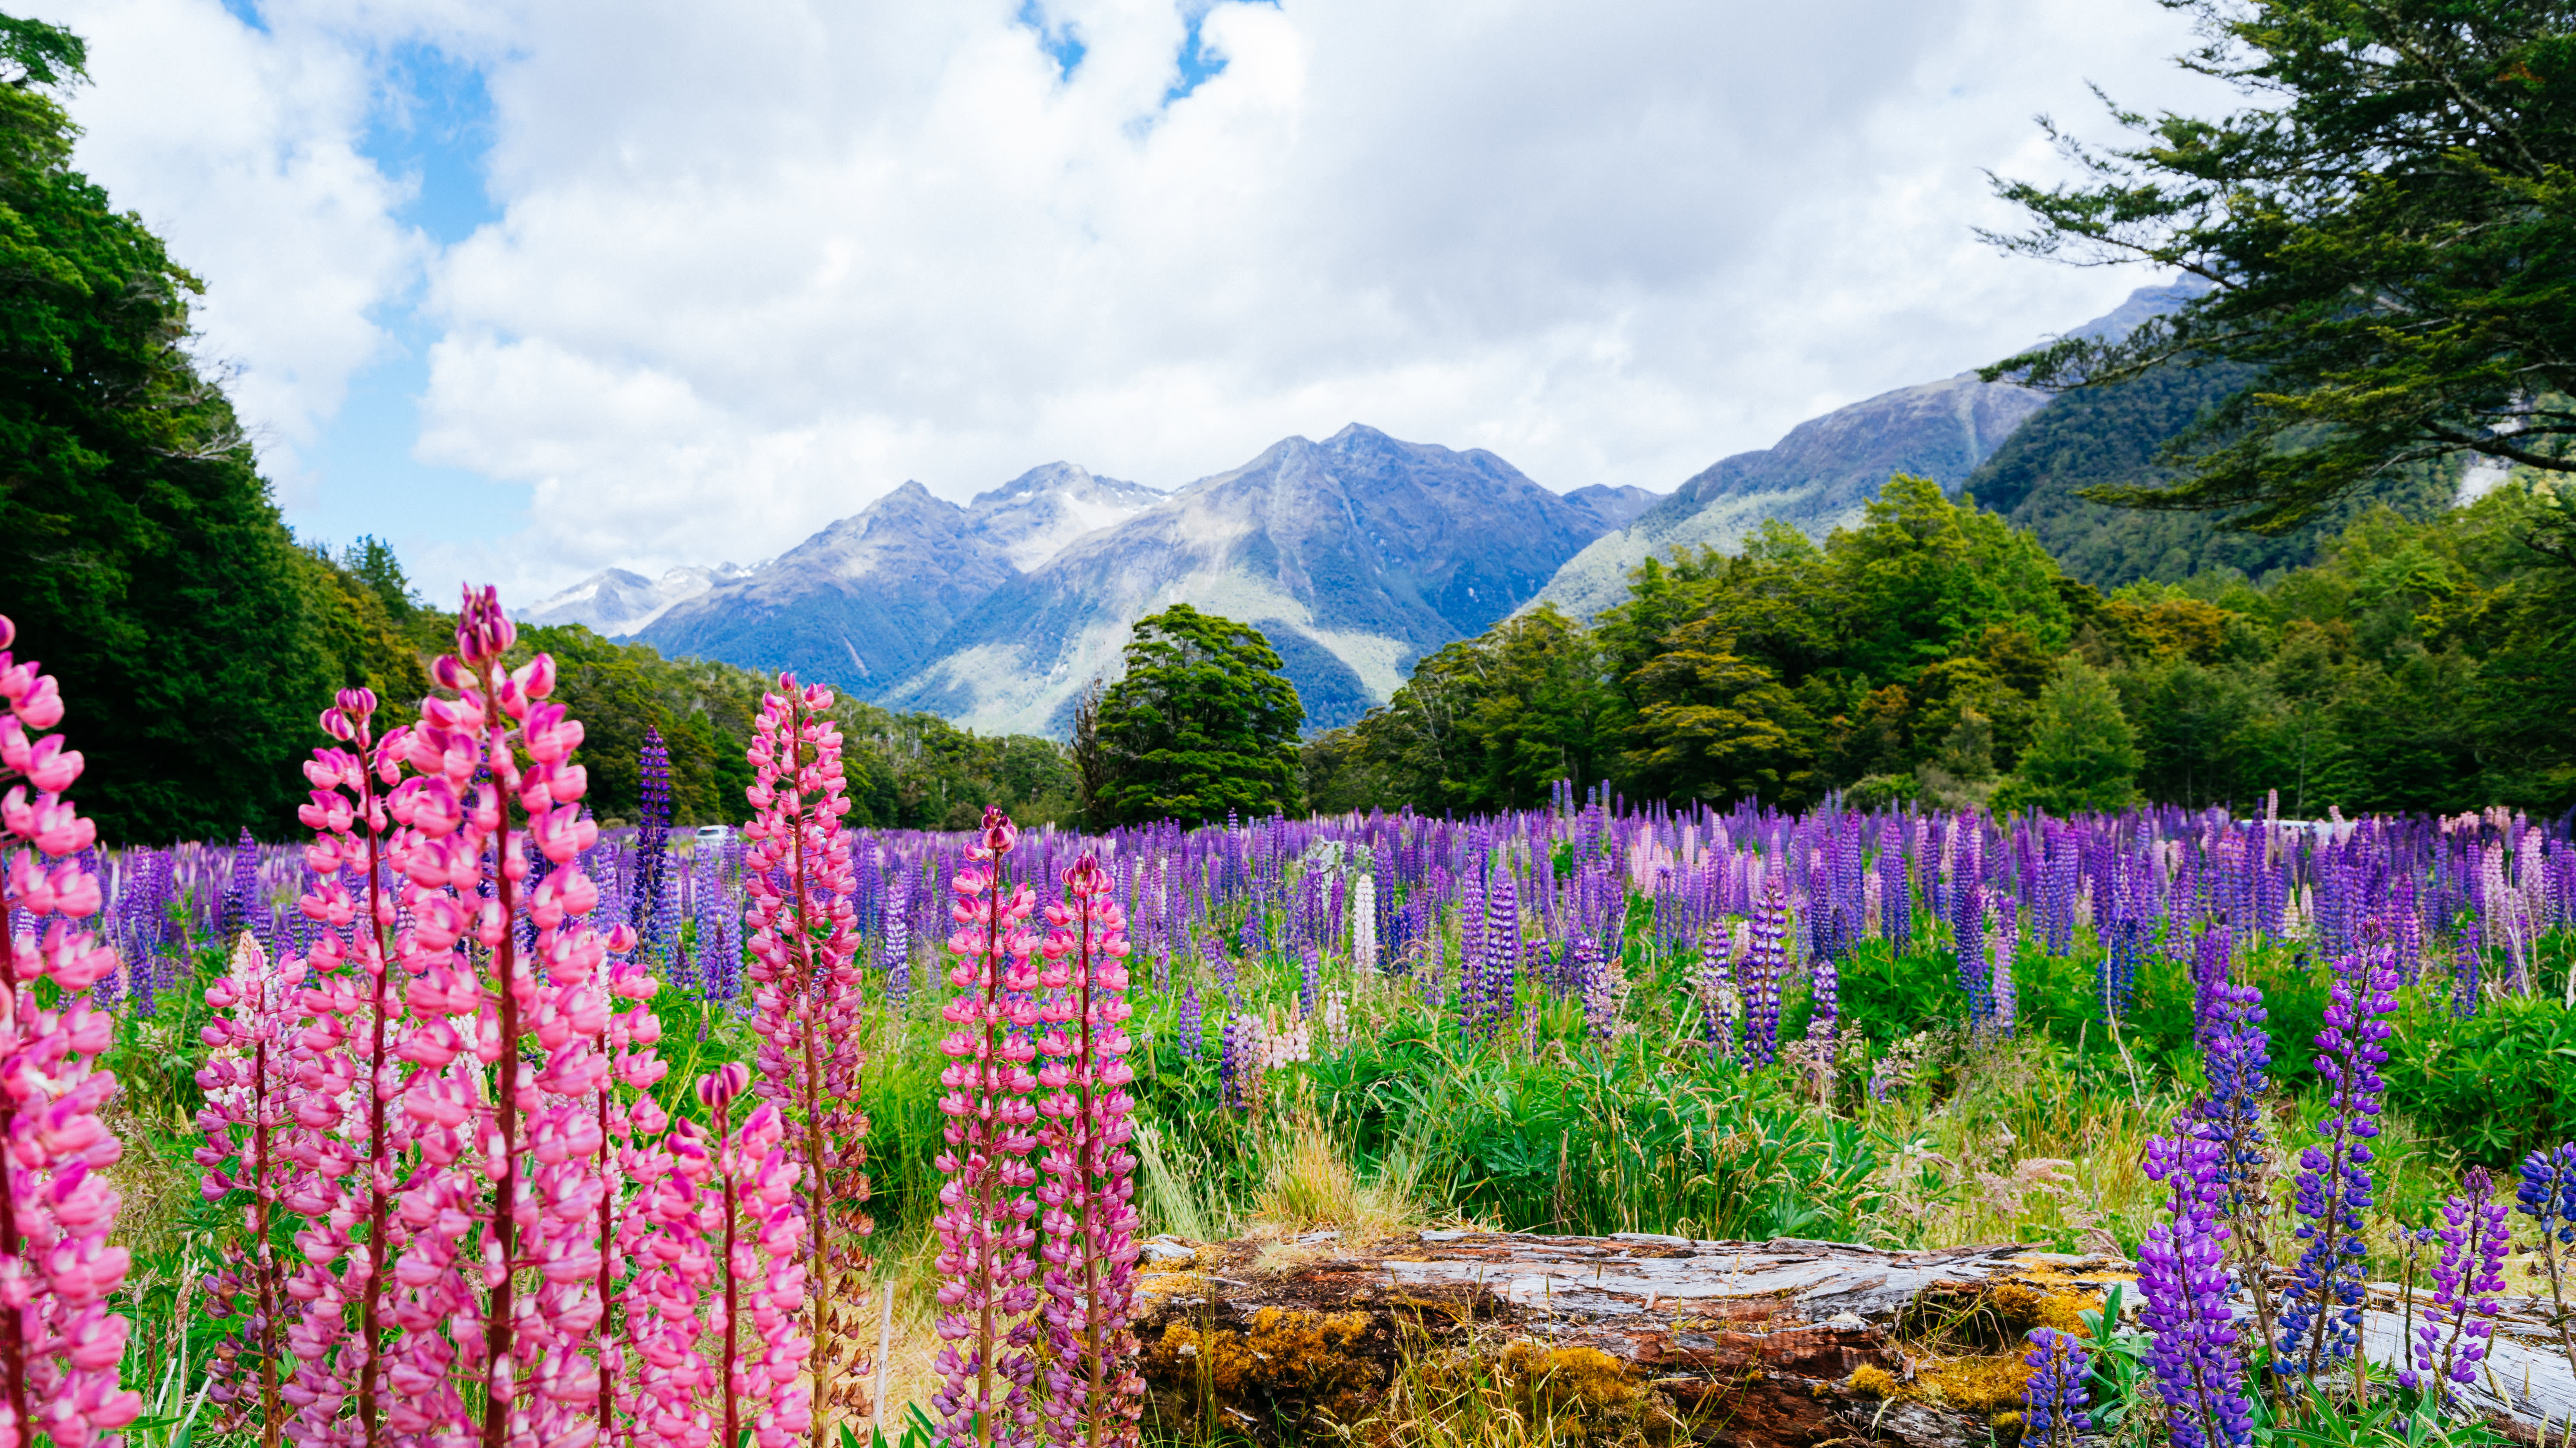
{"x":758,"y":263}
{"x":238,"y":147}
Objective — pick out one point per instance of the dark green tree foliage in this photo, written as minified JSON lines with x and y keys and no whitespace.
{"x":2390,"y":224}
{"x":2083,"y":756}
{"x":144,"y":562}
{"x":1933,"y":652}
{"x":1202,"y":724}
{"x":2113,"y":436}
{"x":1487,"y":723}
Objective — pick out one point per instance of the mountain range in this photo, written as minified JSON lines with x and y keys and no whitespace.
{"x":1356,"y":556}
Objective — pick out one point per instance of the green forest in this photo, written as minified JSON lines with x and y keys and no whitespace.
{"x":1937,"y":652}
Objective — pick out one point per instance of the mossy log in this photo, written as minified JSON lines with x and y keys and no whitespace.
{"x":1781,"y":1344}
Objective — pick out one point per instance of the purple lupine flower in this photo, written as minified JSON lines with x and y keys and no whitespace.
{"x":1310,"y":983}
{"x":1502,"y":956}
{"x":1190,"y":1030}
{"x":2054,"y":1400}
{"x":2465,"y":960}
{"x":2001,"y":936}
{"x":1976,"y":972}
{"x":1598,"y":984}
{"x":2236,"y":1058}
{"x":2321,"y":1314}
{"x":654,"y":902}
{"x":241,"y":896}
{"x":2475,"y":1234}
{"x":898,"y":937}
{"x":2125,"y":940}
{"x":1760,"y":973}
{"x":1236,"y":1061}
{"x":2182,"y":1273}
{"x":2548,"y":1196}
{"x":1895,"y":912}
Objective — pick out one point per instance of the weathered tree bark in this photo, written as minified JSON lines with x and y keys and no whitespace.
{"x":1780,"y":1344}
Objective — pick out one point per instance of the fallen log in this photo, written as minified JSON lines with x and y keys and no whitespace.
{"x":1787,"y":1343}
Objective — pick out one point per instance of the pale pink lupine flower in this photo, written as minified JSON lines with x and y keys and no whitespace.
{"x":247,"y":1120}
{"x":985,"y":1206}
{"x":806,"y":997}
{"x":59,"y":1344}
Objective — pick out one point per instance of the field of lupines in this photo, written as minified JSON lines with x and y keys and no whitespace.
{"x":462,"y":1122}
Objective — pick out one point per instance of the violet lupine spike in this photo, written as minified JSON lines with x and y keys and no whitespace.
{"x":1094,"y":1395}
{"x":2321,"y":1312}
{"x":652,"y":878}
{"x":806,"y":1014}
{"x":2055,"y":1399}
{"x":2003,"y":1002}
{"x":2184,"y":1278}
{"x":1824,"y":1015}
{"x":985,"y":1206}
{"x":2547,"y":1195}
{"x":1761,"y":971}
{"x":2460,"y":1320}
{"x":60,"y":1348}
{"x":241,"y":894}
{"x":1502,"y":950}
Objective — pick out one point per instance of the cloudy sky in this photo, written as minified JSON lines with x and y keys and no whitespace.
{"x":538,"y":287}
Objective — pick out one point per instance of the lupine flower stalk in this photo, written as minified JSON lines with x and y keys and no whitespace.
{"x":761,"y":1245}
{"x":1093,"y":1395}
{"x":2182,"y":1273}
{"x":59,"y":1344}
{"x":985,"y":1204}
{"x":2475,"y":1236}
{"x":1760,"y":973}
{"x":806,"y":996}
{"x":347,"y":1081}
{"x":2548,"y":1196}
{"x":2057,"y":1395}
{"x":2321,"y":1313}
{"x":535,"y":1139}
{"x":246,"y":1119}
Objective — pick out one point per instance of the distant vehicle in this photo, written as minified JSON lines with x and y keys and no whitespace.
{"x":714,"y":835}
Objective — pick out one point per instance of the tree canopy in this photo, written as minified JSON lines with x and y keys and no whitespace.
{"x":2389,"y":229}
{"x":1934,"y":652}
{"x":1201,"y":724}
{"x":145,"y":562}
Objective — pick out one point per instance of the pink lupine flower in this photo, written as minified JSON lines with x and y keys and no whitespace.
{"x":762,"y":1238}
{"x":1093,"y":1396}
{"x":247,"y":1122}
{"x":805,"y":991}
{"x":59,"y":1344}
{"x":985,"y":1206}
{"x":503,"y":1287}
{"x":353,"y":1146}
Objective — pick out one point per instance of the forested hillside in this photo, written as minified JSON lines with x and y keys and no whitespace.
{"x":2111,"y":436}
{"x":1937,"y":652}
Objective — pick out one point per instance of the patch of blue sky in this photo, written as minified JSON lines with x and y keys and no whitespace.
{"x":431,"y":129}
{"x":368,"y":482}
{"x":1199,"y":62}
{"x":247,"y":12}
{"x":1058,"y":39}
